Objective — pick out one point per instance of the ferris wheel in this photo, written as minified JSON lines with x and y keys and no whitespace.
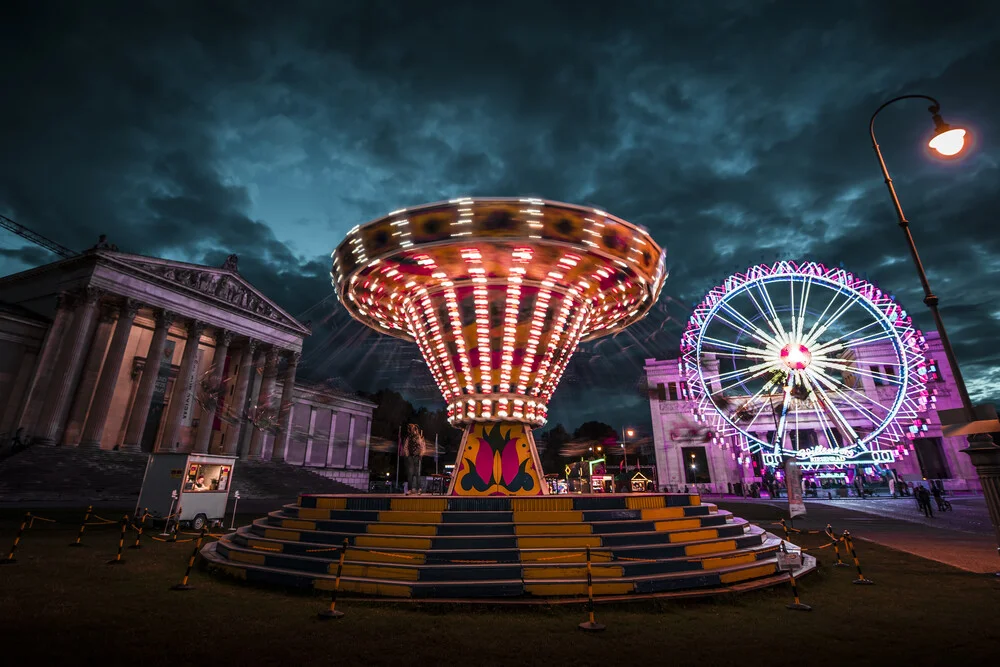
{"x":803,"y":361}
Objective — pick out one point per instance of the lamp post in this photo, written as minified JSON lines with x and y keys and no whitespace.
{"x":629,"y":432}
{"x":985,"y":454}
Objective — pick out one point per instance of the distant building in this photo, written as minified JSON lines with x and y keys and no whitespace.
{"x":77,"y":337}
{"x":687,"y":453}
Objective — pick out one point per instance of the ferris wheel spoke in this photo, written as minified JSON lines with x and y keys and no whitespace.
{"x":742,"y":381}
{"x":821,"y":327}
{"x":821,"y":417}
{"x":779,"y":435}
{"x":833,"y":343}
{"x":818,"y":375}
{"x":800,"y":321}
{"x":754,"y":370}
{"x":771,"y":318}
{"x":765,"y":296}
{"x":750,"y":327}
{"x":837,"y":416}
{"x":855,"y":370}
{"x":730,"y":346}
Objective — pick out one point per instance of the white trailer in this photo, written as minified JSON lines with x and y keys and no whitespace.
{"x":201,"y":483}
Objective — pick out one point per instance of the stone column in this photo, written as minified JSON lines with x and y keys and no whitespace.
{"x":65,"y":305}
{"x":179,"y":394}
{"x":985,"y":455}
{"x":67,"y":369}
{"x":93,"y":431}
{"x":265,"y":402}
{"x":240,"y":394}
{"x":144,"y":394}
{"x":204,"y":438}
{"x":88,"y":380}
{"x":285,"y":408}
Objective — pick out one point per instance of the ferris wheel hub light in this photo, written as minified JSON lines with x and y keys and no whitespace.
{"x":796,"y":356}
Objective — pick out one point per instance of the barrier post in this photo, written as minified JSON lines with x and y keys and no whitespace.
{"x":797,"y":604}
{"x":142,"y":524}
{"x":117,"y":560}
{"x":86,"y":518}
{"x":236,"y":500}
{"x":862,"y":579}
{"x":590,"y":625}
{"x":170,"y":513}
{"x":10,"y":560}
{"x":332,"y":612}
{"x":183,"y":586}
{"x":784,"y":527}
{"x":177,"y":525}
{"x":836,"y":546}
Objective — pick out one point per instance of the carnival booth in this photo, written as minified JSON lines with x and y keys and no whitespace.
{"x":195,"y":487}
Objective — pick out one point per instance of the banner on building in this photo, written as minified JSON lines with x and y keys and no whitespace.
{"x":793,"y":485}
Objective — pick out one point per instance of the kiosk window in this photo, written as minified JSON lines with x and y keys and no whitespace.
{"x":204,"y":477}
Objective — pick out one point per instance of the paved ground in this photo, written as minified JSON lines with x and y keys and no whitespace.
{"x":962,"y":538}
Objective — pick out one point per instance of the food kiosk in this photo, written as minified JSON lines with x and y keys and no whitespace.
{"x":201,"y":483}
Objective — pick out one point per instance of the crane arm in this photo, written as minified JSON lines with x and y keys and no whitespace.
{"x":36,"y":238}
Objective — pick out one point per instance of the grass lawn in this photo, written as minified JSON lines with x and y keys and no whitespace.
{"x":66,"y":606}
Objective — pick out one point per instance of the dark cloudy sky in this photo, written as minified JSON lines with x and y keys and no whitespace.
{"x":735,"y":131}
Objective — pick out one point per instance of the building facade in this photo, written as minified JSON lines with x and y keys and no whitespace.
{"x":108,"y":350}
{"x":689,"y":454}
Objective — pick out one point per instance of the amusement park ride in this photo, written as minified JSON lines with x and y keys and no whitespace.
{"x":497,"y":294}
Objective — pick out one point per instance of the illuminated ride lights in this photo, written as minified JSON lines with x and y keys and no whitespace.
{"x":498,"y":294}
{"x":780,"y":353}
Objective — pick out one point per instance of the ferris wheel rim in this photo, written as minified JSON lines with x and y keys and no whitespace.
{"x":877,"y":305}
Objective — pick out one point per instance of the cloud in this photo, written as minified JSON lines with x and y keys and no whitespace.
{"x":735,"y":132}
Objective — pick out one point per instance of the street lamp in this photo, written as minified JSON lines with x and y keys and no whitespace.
{"x":948,"y":142}
{"x":626,"y":432}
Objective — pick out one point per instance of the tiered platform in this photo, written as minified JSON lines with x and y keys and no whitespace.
{"x":491,"y":549}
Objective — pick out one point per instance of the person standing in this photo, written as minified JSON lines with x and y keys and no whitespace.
{"x":938,"y":497}
{"x":414,"y":448}
{"x":924,"y":500}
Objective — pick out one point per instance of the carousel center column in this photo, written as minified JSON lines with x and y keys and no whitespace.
{"x":93,"y":431}
{"x":144,"y":394}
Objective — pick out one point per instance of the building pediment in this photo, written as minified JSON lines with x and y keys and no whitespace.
{"x":223,"y":286}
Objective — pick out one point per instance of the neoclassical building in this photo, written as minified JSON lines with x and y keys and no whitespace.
{"x":685,"y":455}
{"x":113,"y":351}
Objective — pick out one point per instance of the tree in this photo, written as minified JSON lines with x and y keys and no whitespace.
{"x":597,"y":431}
{"x":550,"y":446}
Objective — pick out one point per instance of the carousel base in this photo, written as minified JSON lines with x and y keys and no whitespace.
{"x":502,"y":549}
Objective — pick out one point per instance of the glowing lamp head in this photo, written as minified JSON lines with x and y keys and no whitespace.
{"x":795,"y":356}
{"x":948,"y":141}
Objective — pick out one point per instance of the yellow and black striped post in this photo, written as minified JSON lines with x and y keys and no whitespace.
{"x":86,"y":518}
{"x":138,"y":533}
{"x":332,"y":612}
{"x":10,"y":560}
{"x":862,"y":579}
{"x":797,"y":604}
{"x":784,"y":527}
{"x":836,"y":546}
{"x":590,"y":625}
{"x":184,"y":586}
{"x":177,"y":524}
{"x":117,"y":560}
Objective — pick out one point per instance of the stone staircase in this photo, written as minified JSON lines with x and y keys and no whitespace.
{"x":490,"y":549}
{"x":70,"y":474}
